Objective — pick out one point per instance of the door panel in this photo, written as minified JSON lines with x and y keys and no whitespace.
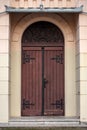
{"x":31,"y":82}
{"x":54,"y":88}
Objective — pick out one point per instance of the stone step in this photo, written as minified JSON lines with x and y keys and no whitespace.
{"x":43,"y":121}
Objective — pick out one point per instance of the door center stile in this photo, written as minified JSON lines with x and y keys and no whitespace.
{"x":42,"y":80}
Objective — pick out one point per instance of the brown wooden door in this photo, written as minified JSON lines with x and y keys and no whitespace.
{"x":31,"y":81}
{"x":42,"y":81}
{"x":54,"y":76}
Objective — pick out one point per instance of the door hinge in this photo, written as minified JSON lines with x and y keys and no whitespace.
{"x":27,"y":58}
{"x":26,"y":104}
{"x":59,"y":104}
{"x":58,"y":58}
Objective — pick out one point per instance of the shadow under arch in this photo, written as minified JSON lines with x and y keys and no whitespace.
{"x":55,"y":19}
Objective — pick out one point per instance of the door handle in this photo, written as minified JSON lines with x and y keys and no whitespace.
{"x":45,"y":82}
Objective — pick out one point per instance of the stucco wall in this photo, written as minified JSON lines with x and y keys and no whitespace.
{"x":18,"y":27}
{"x":4,"y":63}
{"x":82,"y":26}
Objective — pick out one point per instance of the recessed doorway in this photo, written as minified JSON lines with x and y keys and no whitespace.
{"x":42,"y":70}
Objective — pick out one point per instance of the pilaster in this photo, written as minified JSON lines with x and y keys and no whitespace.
{"x":4,"y":63}
{"x":83,"y":66}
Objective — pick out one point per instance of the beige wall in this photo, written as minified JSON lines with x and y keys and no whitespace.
{"x":4,"y":63}
{"x":70,"y":84}
{"x":83,"y":66}
{"x":49,"y":3}
{"x":77,"y":69}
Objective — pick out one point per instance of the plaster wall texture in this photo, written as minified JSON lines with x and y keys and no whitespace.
{"x":83,"y":66}
{"x":49,"y":3}
{"x":46,"y":3}
{"x":4,"y":63}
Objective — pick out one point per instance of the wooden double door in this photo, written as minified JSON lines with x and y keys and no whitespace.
{"x":42,"y":81}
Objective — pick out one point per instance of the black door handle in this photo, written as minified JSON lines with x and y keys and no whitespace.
{"x":45,"y":82}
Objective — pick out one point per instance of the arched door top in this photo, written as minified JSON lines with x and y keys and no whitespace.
{"x":42,"y":32}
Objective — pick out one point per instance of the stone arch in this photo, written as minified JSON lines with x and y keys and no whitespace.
{"x":32,"y":18}
{"x":15,"y":100}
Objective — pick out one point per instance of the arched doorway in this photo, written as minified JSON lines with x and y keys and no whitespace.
{"x":42,"y":70}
